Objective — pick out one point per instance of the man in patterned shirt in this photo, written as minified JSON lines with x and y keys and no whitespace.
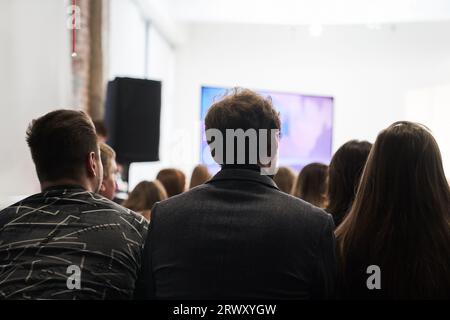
{"x":68,"y":242}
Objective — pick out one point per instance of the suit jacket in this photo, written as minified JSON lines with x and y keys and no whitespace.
{"x":238,"y":237}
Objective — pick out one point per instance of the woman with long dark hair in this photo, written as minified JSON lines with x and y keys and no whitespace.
{"x":399,"y":221}
{"x":344,"y":174}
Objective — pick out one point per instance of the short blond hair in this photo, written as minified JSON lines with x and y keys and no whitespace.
{"x":107,"y":155}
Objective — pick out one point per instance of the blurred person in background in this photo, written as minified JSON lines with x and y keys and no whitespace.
{"x":144,"y":196}
{"x":199,"y":176}
{"x":102,"y":131}
{"x":311,"y":184}
{"x":344,"y":173}
{"x":173,"y":180}
{"x":284,"y":178}
{"x":109,"y":184}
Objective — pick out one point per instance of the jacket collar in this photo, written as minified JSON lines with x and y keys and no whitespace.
{"x":245,"y":174}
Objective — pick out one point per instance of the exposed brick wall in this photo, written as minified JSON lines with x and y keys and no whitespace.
{"x":87,"y":66}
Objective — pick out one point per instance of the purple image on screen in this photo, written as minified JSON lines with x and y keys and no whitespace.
{"x":306,"y":127}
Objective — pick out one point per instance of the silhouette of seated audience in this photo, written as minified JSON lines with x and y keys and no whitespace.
{"x":239,"y":234}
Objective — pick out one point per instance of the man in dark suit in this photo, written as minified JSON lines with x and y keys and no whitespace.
{"x":238,"y":236}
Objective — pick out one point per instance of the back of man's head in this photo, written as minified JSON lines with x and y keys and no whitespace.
{"x":60,"y":143}
{"x":246,"y":110}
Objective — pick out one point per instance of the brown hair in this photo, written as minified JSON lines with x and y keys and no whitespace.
{"x":173,"y":180}
{"x":200,"y":175}
{"x":344,"y":174}
{"x":107,"y":154}
{"x":284,"y":178}
{"x":311,"y":184}
{"x":145,"y":195}
{"x":100,"y":128}
{"x":242,"y":109}
{"x":400,"y":219}
{"x":60,"y":143}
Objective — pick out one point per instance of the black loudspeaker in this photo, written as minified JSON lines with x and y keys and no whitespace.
{"x":132,"y":117}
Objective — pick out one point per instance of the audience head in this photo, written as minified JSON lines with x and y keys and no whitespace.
{"x":400,"y":219}
{"x":199,"y":176}
{"x":144,"y":196}
{"x":173,"y":180}
{"x":109,"y":184}
{"x":284,"y":178}
{"x":244,"y":114}
{"x":344,"y":174}
{"x":102,"y":131}
{"x":311,"y":184}
{"x":64,"y":148}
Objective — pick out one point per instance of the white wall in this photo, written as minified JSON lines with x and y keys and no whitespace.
{"x":161,"y":66}
{"x":303,"y":12}
{"x":369,"y":72}
{"x":128,"y":57}
{"x":376,"y":77}
{"x":127,"y":40}
{"x":431,"y":106}
{"x":34,"y":79}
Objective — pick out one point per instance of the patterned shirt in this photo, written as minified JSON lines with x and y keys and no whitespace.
{"x":68,"y":243}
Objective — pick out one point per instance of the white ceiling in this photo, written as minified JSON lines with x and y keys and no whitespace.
{"x":170,"y":16}
{"x":301,"y":12}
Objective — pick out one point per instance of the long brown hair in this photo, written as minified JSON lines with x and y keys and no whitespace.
{"x":344,"y":174}
{"x":400,"y":219}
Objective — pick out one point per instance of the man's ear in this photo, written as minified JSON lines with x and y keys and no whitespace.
{"x":91,"y":165}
